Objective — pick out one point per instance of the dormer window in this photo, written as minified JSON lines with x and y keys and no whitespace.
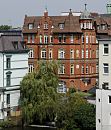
{"x":61,"y":25}
{"x":103,"y":27}
{"x":30,"y":26}
{"x":45,"y":26}
{"x":15,"y":44}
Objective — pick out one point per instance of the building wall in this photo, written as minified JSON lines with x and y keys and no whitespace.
{"x":103,"y":110}
{"x":18,"y":69}
{"x":79,"y":80}
{"x":104,"y":59}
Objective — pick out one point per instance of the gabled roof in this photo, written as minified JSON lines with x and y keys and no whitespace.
{"x":71,"y":24}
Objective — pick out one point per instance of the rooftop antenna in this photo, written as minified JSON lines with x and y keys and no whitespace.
{"x":85,"y":6}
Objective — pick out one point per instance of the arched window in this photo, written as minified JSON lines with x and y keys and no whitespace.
{"x":61,"y":54}
{"x":43,"y":53}
{"x":31,"y":53}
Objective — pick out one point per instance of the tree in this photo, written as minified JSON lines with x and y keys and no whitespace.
{"x":75,"y":113}
{"x":5,"y":27}
{"x":39,"y":93}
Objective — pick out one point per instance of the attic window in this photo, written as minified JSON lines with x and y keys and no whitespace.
{"x":15,"y":44}
{"x":46,"y":26}
{"x":30,"y":26}
{"x":61,"y":25}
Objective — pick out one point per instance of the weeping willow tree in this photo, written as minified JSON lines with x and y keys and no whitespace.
{"x":39,"y":93}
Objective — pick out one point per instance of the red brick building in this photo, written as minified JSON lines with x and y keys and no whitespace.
{"x":69,"y":39}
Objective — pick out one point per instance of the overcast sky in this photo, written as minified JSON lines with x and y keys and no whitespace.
{"x":12,"y":12}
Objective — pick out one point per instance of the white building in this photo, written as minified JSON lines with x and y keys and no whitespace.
{"x":103,"y":93}
{"x":13,"y":67}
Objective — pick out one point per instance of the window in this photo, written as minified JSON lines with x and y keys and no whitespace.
{"x":82,"y":53}
{"x":40,"y":38}
{"x":106,"y":49}
{"x":30,"y":26}
{"x":97,"y":68}
{"x":33,"y":38}
{"x":105,"y":68}
{"x":72,"y":54}
{"x":61,"y":54}
{"x":31,"y":68}
{"x":62,"y":87}
{"x":64,"y":39}
{"x":93,"y":39}
{"x":45,"y":39}
{"x":15,"y":44}
{"x":72,"y":69}
{"x":82,"y":25}
{"x":86,"y":53}
{"x":31,"y":53}
{"x":86,"y":38}
{"x":8,"y":99}
{"x":109,"y":99}
{"x":43,"y":53}
{"x":86,"y":69}
{"x":60,"y":38}
{"x":82,"y":69}
{"x":8,"y":80}
{"x":77,"y":53}
{"x":51,"y":39}
{"x":50,"y":53}
{"x":28,"y":39}
{"x":61,"y":69}
{"x":8,"y":62}
{"x":61,"y":25}
{"x":72,"y":38}
{"x":82,"y":38}
{"x":45,"y":26}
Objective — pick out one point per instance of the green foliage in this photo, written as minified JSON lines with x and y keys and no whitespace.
{"x":7,"y":124}
{"x":39,"y":93}
{"x":75,"y":113}
{"x":5,"y":27}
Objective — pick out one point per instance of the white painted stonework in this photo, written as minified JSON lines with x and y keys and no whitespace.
{"x":18,"y":69}
{"x":103,"y":105}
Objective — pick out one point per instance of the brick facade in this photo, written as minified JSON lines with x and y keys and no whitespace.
{"x":72,"y":44}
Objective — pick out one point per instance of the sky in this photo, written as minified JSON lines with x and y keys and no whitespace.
{"x":12,"y":12}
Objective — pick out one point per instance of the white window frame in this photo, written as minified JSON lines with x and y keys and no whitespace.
{"x":105,"y":46}
{"x":62,"y":87}
{"x":45,"y":39}
{"x":82,"y":53}
{"x":64,"y":38}
{"x":29,"y":39}
{"x":51,"y":39}
{"x":61,"y":69}
{"x":72,"y":38}
{"x":72,"y":53}
{"x":86,"y":69}
{"x":61,"y":25}
{"x":71,"y":69}
{"x":50,"y":53}
{"x":82,"y":69}
{"x":77,"y":53}
{"x":33,"y":38}
{"x":105,"y":68}
{"x":43,"y":53}
{"x":87,"y":39}
{"x":31,"y":53}
{"x":40,"y":38}
{"x":61,"y":54}
{"x":30,"y":68}
{"x":87,"y":52}
{"x":30,"y":26}
{"x":45,"y":25}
